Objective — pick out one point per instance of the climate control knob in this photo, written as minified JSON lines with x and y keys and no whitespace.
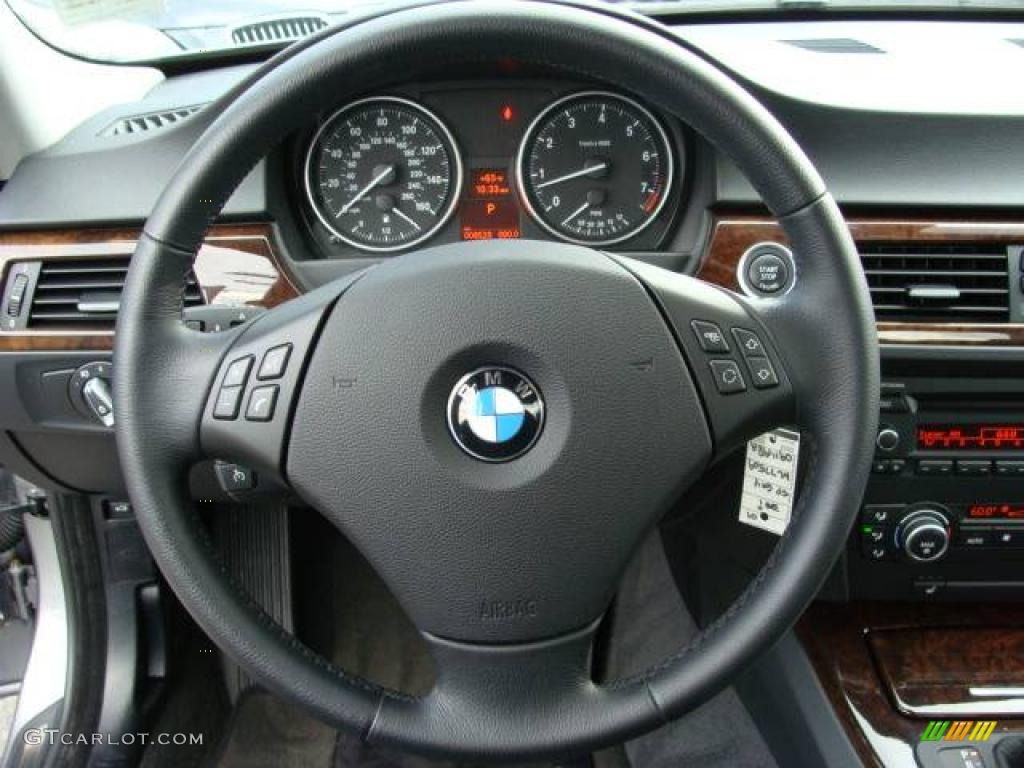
{"x":923,"y":535}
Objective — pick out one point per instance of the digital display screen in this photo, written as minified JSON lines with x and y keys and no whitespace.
{"x":1002,"y":511}
{"x":971,"y":437}
{"x":489,"y":211}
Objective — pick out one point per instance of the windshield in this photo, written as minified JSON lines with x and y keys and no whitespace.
{"x":129,"y":31}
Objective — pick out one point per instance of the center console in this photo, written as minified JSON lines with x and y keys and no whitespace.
{"x":943,"y":517}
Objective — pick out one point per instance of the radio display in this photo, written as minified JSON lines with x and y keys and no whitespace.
{"x":971,"y":437}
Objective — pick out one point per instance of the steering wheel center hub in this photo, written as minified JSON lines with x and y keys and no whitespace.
{"x":505,"y":480}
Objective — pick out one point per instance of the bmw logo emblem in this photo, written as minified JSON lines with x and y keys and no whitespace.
{"x":495,"y":414}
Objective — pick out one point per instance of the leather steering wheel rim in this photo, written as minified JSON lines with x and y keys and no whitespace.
{"x":823,"y":330}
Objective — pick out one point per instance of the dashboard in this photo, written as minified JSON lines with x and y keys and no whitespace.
{"x":926,"y":168}
{"x":931,"y":195}
{"x":473,"y":160}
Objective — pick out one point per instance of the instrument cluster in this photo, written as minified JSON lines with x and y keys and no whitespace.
{"x":392,"y":172}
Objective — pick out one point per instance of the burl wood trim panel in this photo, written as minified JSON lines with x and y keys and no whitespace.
{"x":731,"y":236}
{"x":944,"y":673}
{"x":869,"y":655}
{"x":238,"y":264}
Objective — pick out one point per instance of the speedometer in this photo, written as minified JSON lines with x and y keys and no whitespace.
{"x":595,"y":168}
{"x":383,"y":174}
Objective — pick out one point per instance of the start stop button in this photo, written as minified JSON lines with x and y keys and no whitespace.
{"x":766,"y":269}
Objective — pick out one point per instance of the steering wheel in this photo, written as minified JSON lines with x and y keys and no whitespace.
{"x":505,"y":554}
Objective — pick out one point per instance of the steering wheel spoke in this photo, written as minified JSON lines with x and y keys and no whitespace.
{"x":733,"y":356}
{"x":248,"y":413}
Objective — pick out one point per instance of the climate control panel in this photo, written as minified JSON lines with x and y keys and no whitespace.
{"x":926,"y":532}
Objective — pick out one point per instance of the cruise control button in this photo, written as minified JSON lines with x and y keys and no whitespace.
{"x":274,"y":362}
{"x":228,"y":400}
{"x":261,"y":404}
{"x":238,"y":372}
{"x":749,"y":343}
{"x":710,"y":336}
{"x":762,"y":373}
{"x":727,"y":376}
{"x":234,"y":477}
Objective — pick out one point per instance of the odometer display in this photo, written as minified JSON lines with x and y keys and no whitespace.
{"x":383,"y":174}
{"x":595,"y":168}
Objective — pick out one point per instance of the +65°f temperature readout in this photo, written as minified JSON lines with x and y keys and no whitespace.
{"x":971,"y":437}
{"x":489,"y":211}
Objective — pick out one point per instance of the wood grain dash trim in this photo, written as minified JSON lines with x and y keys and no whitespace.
{"x":867,"y":654}
{"x":238,"y":264}
{"x":731,"y":236}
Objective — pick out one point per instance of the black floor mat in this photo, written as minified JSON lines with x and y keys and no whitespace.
{"x":266,"y":732}
{"x":195,"y":701}
{"x":346,"y":613}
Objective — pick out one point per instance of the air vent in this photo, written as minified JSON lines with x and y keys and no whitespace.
{"x":277,"y":30}
{"x":151,"y":121}
{"x":938,"y":283}
{"x":85,"y":294}
{"x":834,"y":45}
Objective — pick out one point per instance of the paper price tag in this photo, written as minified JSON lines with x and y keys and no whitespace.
{"x":769,"y":480}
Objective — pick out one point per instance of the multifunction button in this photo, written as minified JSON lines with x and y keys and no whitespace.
{"x":727,"y":376}
{"x":229,"y":396}
{"x":262,"y":399}
{"x":228,"y":400}
{"x":274,"y":362}
{"x":238,"y":372}
{"x":762,"y":373}
{"x":261,"y":403}
{"x":749,"y":343}
{"x":710,"y":337}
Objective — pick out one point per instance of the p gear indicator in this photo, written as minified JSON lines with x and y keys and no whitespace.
{"x":489,"y":211}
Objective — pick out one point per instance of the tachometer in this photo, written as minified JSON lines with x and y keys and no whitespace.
{"x":595,"y":168}
{"x":383,"y":174}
